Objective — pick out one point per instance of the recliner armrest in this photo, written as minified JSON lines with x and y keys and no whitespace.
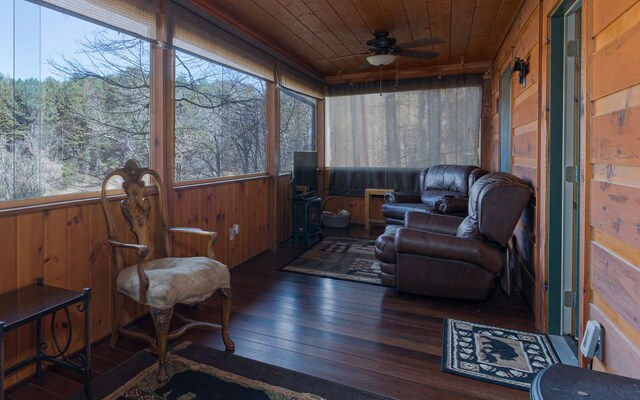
{"x":401,"y":197}
{"x":452,"y":205}
{"x":438,"y":223}
{"x":429,"y":244}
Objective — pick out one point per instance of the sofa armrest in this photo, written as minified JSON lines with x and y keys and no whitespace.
{"x":429,"y":244}
{"x":453,"y":205}
{"x":438,"y":223}
{"x":402,"y":197}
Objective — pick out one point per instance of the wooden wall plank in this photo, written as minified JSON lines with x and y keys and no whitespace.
{"x":525,"y":108}
{"x":56,"y":261}
{"x":615,"y":210}
{"x":616,"y":281}
{"x":615,"y":138}
{"x":101,"y":265}
{"x":613,"y":65}
{"x":606,"y":11}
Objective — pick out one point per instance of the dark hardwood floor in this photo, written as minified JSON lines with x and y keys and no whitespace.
{"x":365,"y":336}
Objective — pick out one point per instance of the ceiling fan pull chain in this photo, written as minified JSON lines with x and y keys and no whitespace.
{"x":380,"y":80}
{"x":397,"y":62}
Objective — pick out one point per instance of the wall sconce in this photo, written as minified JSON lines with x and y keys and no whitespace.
{"x":520,"y":65}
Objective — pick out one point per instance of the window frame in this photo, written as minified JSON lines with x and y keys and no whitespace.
{"x":311,"y":102}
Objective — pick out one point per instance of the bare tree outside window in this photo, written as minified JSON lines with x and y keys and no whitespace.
{"x":80,"y":110}
{"x":220,"y":122}
{"x":297,"y":126}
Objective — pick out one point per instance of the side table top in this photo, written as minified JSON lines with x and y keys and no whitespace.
{"x":375,"y":191}
{"x":565,"y":382}
{"x":20,"y":306}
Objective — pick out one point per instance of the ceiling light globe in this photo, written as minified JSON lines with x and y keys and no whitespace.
{"x":381,"y":59}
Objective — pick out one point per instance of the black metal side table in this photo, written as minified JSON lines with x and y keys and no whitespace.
{"x":32,"y":303}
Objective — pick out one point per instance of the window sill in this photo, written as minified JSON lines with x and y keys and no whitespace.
{"x":185,"y":185}
{"x":14,"y":207}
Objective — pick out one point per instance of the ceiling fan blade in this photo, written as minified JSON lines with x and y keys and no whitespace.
{"x":365,"y":65}
{"x":420,"y":42}
{"x":425,"y":55}
{"x":343,"y":57}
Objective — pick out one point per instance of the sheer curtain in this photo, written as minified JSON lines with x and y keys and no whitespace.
{"x":422,"y":123}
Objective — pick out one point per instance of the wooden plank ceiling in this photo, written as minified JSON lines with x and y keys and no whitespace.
{"x":326,"y":36}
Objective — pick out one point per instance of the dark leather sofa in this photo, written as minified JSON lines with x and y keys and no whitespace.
{"x":447,"y":256}
{"x":443,"y":189}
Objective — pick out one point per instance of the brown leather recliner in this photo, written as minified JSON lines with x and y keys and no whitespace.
{"x":443,"y":188}
{"x":446,"y":256}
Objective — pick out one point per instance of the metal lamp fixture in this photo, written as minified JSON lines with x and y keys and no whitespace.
{"x":381,"y":59}
{"x":521,"y":66}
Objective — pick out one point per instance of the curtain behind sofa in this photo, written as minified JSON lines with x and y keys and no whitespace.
{"x":421,"y":123}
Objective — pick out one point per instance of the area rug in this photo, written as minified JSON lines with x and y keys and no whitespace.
{"x":199,"y":372}
{"x":345,"y":258}
{"x":491,"y":354}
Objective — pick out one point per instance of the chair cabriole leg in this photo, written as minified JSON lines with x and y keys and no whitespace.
{"x":225,"y":295}
{"x":161,"y":320}
{"x":118,"y":306}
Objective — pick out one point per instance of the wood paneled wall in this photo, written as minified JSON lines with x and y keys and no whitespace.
{"x":610,"y":165}
{"x":612,"y":276}
{"x":67,"y":246}
{"x":522,"y":41}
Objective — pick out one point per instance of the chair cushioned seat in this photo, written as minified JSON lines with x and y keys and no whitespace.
{"x":176,"y":280}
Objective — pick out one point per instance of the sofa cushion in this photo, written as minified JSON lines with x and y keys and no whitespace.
{"x":397,"y":211}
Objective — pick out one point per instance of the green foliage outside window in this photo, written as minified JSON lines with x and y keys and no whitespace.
{"x":81,"y":111}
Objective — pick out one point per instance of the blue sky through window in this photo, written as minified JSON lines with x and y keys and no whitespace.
{"x":41,"y":34}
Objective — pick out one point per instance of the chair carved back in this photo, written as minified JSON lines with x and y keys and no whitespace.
{"x":136,"y":206}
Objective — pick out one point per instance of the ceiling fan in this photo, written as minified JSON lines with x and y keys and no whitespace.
{"x":384,"y":49}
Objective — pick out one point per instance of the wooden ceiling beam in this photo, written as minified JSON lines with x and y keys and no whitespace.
{"x":422,"y":72}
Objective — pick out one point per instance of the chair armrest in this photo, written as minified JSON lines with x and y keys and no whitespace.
{"x":438,"y":223}
{"x":452,"y":205}
{"x":401,"y":197}
{"x":429,"y":244}
{"x":141,"y":249}
{"x":193,"y":231}
{"x":197,"y":231}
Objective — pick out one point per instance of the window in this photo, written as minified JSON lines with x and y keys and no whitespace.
{"x":74,"y":102}
{"x":220,"y":122}
{"x":297,"y":126}
{"x":434,"y":121}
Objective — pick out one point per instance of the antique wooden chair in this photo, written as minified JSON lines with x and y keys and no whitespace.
{"x":162,"y":282}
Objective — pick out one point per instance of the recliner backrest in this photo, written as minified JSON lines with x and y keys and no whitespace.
{"x":496,"y":202}
{"x":449,"y":177}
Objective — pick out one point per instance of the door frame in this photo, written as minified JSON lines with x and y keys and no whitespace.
{"x":556,"y":173}
{"x":504,"y":105}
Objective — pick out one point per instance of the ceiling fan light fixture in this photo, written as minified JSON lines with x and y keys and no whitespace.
{"x":381,"y":59}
